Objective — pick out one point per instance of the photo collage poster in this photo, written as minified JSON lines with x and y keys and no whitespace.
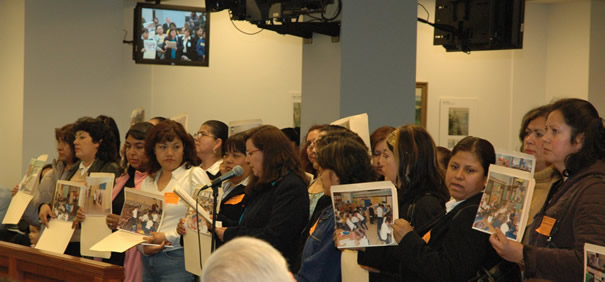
{"x":516,"y":160}
{"x":142,"y":212}
{"x":30,"y":181}
{"x":98,"y":193}
{"x":27,"y":188}
{"x":505,"y":202}
{"x":68,"y":199}
{"x":205,"y":200}
{"x":364,"y":214}
{"x":594,"y":263}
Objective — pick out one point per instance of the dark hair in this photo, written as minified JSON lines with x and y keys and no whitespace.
{"x":415,"y":152}
{"x":168,"y":36}
{"x":379,"y":135}
{"x":333,"y":128}
{"x":348,"y":159}
{"x":293,"y":134}
{"x":332,"y":135}
{"x":304,"y":158}
{"x":158,"y":118}
{"x":447,"y":155}
{"x":279,"y":157}
{"x":481,"y":148}
{"x":114,"y":129}
{"x":165,"y":131}
{"x":138,"y":131}
{"x":45,"y":167}
{"x":220,"y":130}
{"x":583,"y":118}
{"x":101,"y":134}
{"x":534,"y":113}
{"x":67,"y":134}
{"x":236,"y":143}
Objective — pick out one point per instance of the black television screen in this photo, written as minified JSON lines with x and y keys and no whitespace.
{"x":171,"y":35}
{"x":469,"y":25}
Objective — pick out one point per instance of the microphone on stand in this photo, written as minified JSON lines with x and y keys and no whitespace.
{"x":236,"y":171}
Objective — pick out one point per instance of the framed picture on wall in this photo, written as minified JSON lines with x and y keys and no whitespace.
{"x":421,"y":103}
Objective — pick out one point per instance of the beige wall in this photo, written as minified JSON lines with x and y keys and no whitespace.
{"x":11,"y":92}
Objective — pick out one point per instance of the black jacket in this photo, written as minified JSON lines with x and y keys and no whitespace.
{"x":276,"y":213}
{"x":455,"y":251}
{"x":418,"y":210}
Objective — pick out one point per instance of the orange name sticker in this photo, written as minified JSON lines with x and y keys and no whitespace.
{"x":546,"y":225}
{"x":427,"y":237}
{"x":171,"y":198}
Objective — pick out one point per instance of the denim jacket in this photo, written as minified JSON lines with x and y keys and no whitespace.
{"x":320,"y":258}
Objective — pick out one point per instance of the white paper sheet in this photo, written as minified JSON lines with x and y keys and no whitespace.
{"x":119,"y":242}
{"x":358,"y":124}
{"x":17,"y":207}
{"x":56,"y":237}
{"x":192,"y":247}
{"x":94,"y":230}
{"x":351,"y":271}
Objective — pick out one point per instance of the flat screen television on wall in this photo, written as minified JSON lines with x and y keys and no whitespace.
{"x":473,"y":25}
{"x":171,"y":35}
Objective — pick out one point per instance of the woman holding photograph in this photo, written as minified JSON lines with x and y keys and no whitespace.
{"x":409,"y":161}
{"x":531,"y":133}
{"x":172,"y":161}
{"x":573,"y":212}
{"x":448,"y":249}
{"x":233,"y":202}
{"x":278,"y":207}
{"x":170,"y":53}
{"x":210,"y":143}
{"x":65,"y":160}
{"x":133,"y":178}
{"x":96,"y":147}
{"x":341,"y":161}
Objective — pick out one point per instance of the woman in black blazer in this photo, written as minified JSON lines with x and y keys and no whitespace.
{"x":278,"y":207}
{"x":451,"y":250}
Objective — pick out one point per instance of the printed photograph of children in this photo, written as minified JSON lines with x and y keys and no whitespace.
{"x":66,"y":200}
{"x":594,"y":263}
{"x":142,"y":213}
{"x":502,"y":205}
{"x":32,"y":176}
{"x":98,"y":199}
{"x":206,"y":201}
{"x":364,"y":218}
{"x":516,"y":162}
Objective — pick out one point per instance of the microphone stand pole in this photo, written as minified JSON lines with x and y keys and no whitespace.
{"x":214,"y":215}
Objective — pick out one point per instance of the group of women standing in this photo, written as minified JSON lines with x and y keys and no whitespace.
{"x":435,"y":241}
{"x":275,"y":201}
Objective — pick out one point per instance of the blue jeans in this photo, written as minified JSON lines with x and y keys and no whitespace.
{"x":166,"y":266}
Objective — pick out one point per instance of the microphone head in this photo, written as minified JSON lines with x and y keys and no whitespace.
{"x":237,"y":170}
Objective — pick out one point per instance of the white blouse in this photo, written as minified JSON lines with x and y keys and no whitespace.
{"x":187,"y":179}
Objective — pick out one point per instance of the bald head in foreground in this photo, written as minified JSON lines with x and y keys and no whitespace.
{"x":246,"y":259}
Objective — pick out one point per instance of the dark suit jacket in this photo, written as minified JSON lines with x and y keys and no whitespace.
{"x":455,"y":251}
{"x":276,"y":213}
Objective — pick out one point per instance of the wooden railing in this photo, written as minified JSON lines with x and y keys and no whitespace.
{"x":22,"y":263}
